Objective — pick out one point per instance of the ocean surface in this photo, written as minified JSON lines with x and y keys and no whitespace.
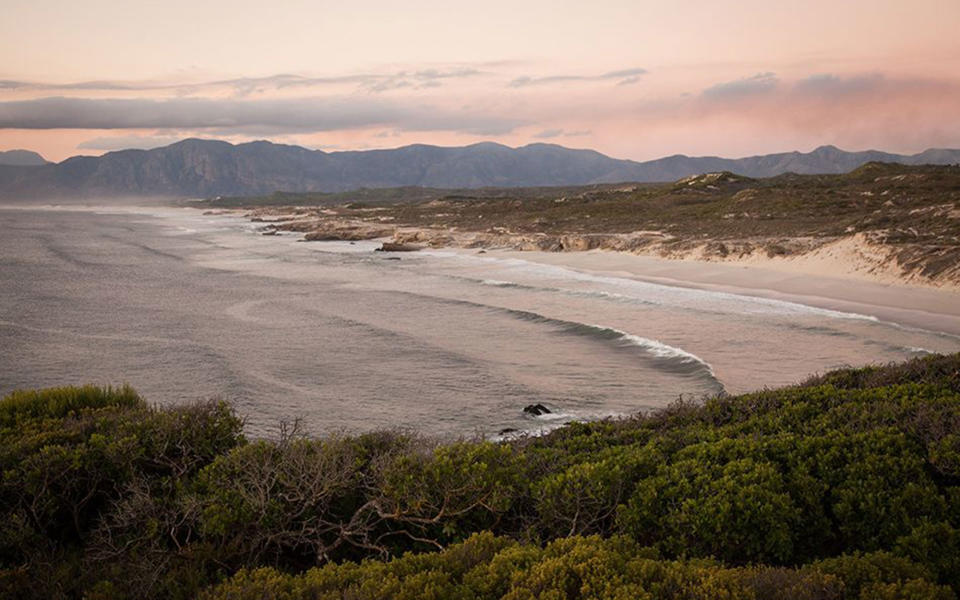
{"x":185,"y":306}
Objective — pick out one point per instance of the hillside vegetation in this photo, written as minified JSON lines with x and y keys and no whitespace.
{"x":845,"y":487}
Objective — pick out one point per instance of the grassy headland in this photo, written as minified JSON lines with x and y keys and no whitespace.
{"x":847,"y":486}
{"x":899,"y":219}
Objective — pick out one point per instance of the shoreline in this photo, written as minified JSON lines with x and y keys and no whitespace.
{"x":847,"y":275}
{"x":925,"y":307}
{"x":858,"y":256}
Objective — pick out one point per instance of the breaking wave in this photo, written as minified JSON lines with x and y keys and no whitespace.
{"x":663,"y":356}
{"x":659,"y":355}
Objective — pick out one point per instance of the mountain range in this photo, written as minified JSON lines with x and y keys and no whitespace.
{"x":197,"y":168}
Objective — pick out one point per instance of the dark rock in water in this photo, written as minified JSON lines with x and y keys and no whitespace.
{"x":392,"y":258}
{"x":270,"y":232}
{"x":507,"y":430}
{"x":398,"y":247}
{"x":482,"y":252}
{"x":536,"y":410}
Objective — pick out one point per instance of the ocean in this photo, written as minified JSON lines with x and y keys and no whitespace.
{"x":187,"y":306}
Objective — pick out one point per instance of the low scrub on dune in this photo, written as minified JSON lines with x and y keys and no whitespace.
{"x":844,"y":487}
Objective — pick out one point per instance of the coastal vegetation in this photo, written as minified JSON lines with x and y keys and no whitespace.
{"x":846,"y":486}
{"x":899,"y":216}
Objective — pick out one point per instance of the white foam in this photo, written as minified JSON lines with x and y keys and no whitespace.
{"x":661,"y":350}
{"x":555,"y":416}
{"x":657,"y":293}
{"x":497,"y":283}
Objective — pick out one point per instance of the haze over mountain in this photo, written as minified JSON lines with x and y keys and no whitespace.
{"x":204,"y":168}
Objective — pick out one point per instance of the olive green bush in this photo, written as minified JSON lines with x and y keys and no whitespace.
{"x":488,"y":567}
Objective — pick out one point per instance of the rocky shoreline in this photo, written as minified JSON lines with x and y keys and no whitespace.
{"x":327,"y":225}
{"x":863,"y":255}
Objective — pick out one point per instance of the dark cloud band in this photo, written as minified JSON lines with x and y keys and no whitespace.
{"x":245,"y":85}
{"x":288,"y":115}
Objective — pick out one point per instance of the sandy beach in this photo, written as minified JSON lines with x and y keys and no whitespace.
{"x":849,"y":274}
{"x":925,"y":307}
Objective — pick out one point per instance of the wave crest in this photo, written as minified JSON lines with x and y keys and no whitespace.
{"x":664,"y":356}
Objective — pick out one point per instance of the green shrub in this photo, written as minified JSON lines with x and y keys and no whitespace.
{"x":59,"y":402}
{"x":486,"y":567}
{"x":739,"y":511}
{"x":882,"y":491}
{"x":451,"y":491}
{"x":583,"y":499}
{"x":80,"y":469}
{"x":104,"y":497}
{"x":914,"y":589}
{"x":859,"y":572}
{"x":937,"y":547}
{"x":941,"y":370}
{"x":945,"y":455}
{"x":296,"y":500}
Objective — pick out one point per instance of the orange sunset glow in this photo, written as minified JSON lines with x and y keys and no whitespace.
{"x":631,"y":79}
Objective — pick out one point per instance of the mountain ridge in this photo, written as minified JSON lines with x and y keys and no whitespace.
{"x":21,"y":158}
{"x":203,"y":168}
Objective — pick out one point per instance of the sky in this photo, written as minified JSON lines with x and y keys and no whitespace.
{"x":632,"y":79}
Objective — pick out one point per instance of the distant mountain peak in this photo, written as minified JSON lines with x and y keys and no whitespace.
{"x":491,"y":145}
{"x":201,"y":142}
{"x":22,"y":158}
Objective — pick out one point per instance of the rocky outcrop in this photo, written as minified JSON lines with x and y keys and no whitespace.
{"x":536,"y":410}
{"x":623,"y":242}
{"x":890,"y":255}
{"x":347,"y":231}
{"x":324,"y":225}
